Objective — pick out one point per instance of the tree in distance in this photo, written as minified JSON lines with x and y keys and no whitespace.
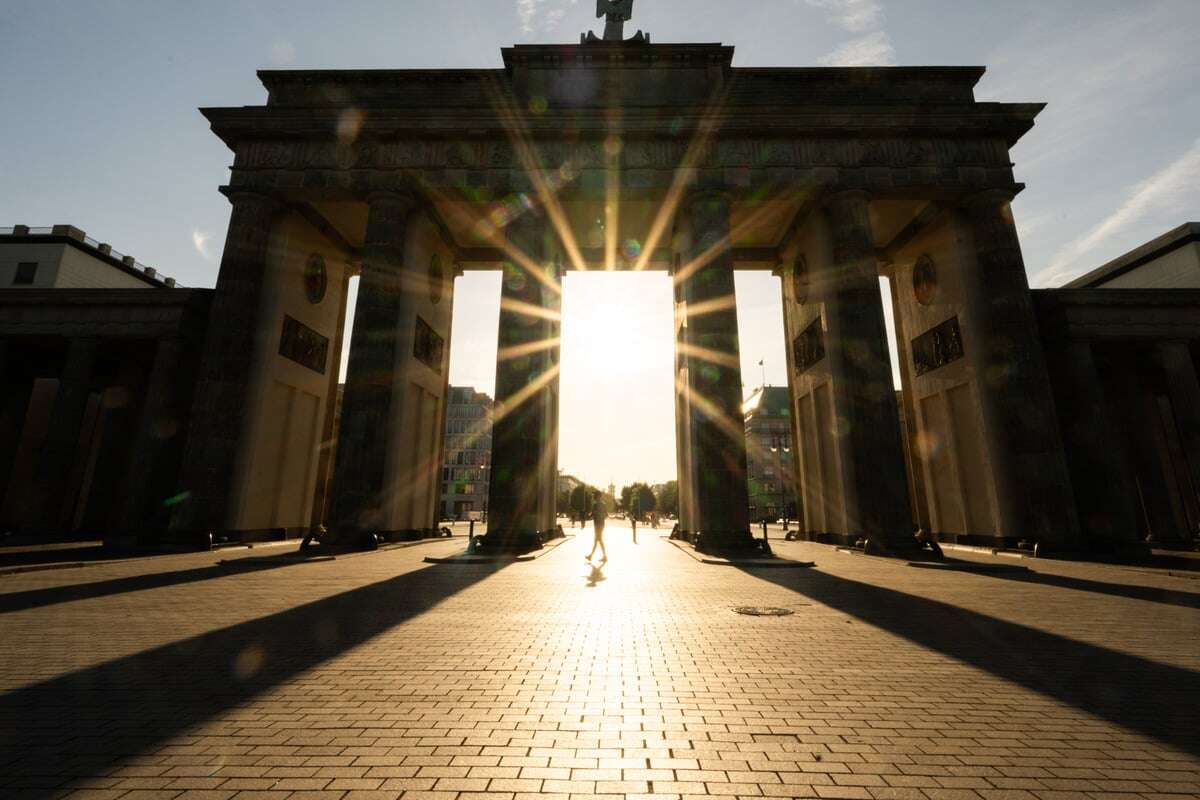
{"x":581,"y":500}
{"x":638,"y":499}
{"x":668,"y":498}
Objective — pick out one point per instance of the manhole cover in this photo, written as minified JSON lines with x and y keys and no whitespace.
{"x":763,"y":611}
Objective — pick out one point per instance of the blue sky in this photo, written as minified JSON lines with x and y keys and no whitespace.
{"x":101,"y":129}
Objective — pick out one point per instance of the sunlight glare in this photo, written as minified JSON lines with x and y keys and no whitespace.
{"x":617,"y":418}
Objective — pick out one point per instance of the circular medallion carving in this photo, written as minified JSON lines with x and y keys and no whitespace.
{"x":437,"y":279}
{"x":925,"y":281}
{"x":800,"y":279}
{"x":316,"y":278}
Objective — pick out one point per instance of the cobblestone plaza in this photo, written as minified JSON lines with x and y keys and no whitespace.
{"x":377,"y":676}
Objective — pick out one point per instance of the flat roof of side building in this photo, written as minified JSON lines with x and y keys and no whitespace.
{"x":1143,"y":254}
{"x":101,"y":251}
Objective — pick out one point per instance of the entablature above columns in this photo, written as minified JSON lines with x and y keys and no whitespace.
{"x":765,"y":217}
{"x":1006,"y":122}
{"x":1115,"y":315}
{"x":325,"y":152}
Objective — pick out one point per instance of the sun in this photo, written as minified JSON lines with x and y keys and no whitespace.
{"x":617,"y":411}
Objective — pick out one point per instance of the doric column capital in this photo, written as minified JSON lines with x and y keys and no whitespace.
{"x":261,"y":203}
{"x":1170,"y":352}
{"x":988,"y":199}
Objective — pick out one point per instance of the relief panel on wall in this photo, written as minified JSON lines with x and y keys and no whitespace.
{"x":428,"y":346}
{"x":302,"y":344}
{"x":808,"y":348}
{"x":937,"y":347}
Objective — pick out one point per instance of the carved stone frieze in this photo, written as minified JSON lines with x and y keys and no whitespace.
{"x":980,"y":155}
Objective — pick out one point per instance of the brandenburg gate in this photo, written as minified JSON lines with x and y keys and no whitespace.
{"x":561,"y":160}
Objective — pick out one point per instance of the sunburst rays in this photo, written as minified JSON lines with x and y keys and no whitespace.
{"x":553,"y":190}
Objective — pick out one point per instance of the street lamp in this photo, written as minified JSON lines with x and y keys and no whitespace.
{"x":777,"y":444}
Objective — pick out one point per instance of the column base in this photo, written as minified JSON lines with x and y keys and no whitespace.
{"x":362,"y":539}
{"x":515,"y":542}
{"x":900,"y":547}
{"x":735,"y":542}
{"x":165,"y":539}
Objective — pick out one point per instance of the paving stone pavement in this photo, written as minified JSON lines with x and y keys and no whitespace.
{"x":377,"y":677}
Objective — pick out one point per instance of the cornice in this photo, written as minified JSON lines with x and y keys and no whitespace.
{"x":1007,"y":121}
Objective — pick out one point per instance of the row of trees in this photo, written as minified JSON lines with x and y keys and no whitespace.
{"x":639,"y":498}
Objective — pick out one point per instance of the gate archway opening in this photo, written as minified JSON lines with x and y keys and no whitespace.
{"x":617,"y":417}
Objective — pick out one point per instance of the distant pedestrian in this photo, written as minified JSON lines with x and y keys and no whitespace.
{"x":599,"y":514}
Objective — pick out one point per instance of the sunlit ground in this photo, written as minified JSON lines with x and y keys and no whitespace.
{"x":381,"y":675}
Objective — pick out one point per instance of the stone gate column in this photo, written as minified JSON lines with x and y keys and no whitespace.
{"x":59,"y":450}
{"x":1142,"y":429}
{"x":868,"y":440}
{"x":360,"y":464}
{"x":14,"y":402}
{"x":1022,"y":438}
{"x":525,"y":429}
{"x":223,"y":385}
{"x":1107,"y":501}
{"x":709,"y":379}
{"x":1175,"y":359}
{"x":142,"y":503}
{"x":683,"y":429}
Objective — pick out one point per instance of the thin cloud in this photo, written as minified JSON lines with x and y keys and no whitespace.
{"x":855,"y":16}
{"x":541,"y":15}
{"x":283,"y":54}
{"x":1167,"y":193}
{"x":874,"y":49}
{"x":200,"y":241}
{"x":872,"y":46}
{"x":1090,"y":74}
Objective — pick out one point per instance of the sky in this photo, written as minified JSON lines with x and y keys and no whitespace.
{"x":101,"y":131}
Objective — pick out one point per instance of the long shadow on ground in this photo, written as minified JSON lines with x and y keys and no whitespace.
{"x":1153,"y":699}
{"x":53,"y":595}
{"x":82,"y":552}
{"x":84,"y":723}
{"x":1152,"y":594}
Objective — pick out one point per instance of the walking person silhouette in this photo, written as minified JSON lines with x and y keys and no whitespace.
{"x":599,"y":514}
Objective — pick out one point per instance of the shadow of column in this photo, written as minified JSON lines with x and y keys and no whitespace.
{"x":86,"y":722}
{"x":1152,"y":699}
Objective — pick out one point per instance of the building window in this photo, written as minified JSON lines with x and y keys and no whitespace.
{"x":26,"y":271}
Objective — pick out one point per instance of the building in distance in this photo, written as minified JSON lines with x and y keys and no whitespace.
{"x":64,"y":257}
{"x":1170,"y":261}
{"x":468,"y":454}
{"x":770,"y":471}
{"x":98,"y":375}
